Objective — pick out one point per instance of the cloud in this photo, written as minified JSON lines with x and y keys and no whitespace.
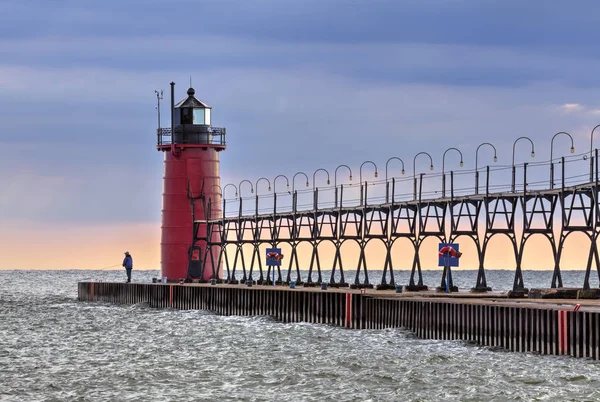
{"x":579,"y":109}
{"x":572,"y":107}
{"x":103,"y":144}
{"x":383,"y":62}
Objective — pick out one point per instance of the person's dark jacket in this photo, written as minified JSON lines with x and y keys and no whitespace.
{"x":128,"y":262}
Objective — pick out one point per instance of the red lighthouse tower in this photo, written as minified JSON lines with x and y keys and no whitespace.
{"x":191,"y":165}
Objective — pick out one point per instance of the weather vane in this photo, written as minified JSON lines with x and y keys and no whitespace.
{"x":159,"y":97}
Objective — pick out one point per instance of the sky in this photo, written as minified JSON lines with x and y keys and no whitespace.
{"x":299,"y":85}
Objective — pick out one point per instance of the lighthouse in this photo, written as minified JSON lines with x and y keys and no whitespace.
{"x":191,"y":149}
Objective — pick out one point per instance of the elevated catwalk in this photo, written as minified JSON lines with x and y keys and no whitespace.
{"x":549,"y":326}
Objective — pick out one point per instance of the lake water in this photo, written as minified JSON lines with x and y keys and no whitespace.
{"x":54,"y":348}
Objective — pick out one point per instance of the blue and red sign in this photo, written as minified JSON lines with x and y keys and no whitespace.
{"x":448,"y":255}
{"x":274,"y":257}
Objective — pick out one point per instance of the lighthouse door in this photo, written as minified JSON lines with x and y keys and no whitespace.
{"x":195,"y":263}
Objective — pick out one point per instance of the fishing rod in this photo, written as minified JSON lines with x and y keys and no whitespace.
{"x":112,"y":266}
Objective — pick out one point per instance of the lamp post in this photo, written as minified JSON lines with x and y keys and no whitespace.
{"x":551,"y":152}
{"x":217,"y":186}
{"x":275,"y":182}
{"x":335,"y":181}
{"x":477,"y":164}
{"x":315,"y":173}
{"x":591,"y":157}
{"x":245,"y":181}
{"x":360,"y":178}
{"x":513,"y":158}
{"x":444,"y":165}
{"x":258,"y":181}
{"x":220,"y":193}
{"x":294,"y":180}
{"x":387,"y":185}
{"x":294,"y":196}
{"x":415,"y":171}
{"x":275,"y":190}
{"x":225,"y":188}
{"x":223,"y":195}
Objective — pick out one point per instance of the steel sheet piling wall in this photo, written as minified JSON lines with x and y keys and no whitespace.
{"x":525,"y":329}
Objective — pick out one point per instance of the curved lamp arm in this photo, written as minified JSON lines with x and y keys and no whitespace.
{"x":360,"y":169}
{"x":477,"y":153}
{"x":387,"y":163}
{"x":552,"y":143}
{"x":415,"y":160}
{"x":245,"y":181}
{"x":444,"y":158}
{"x":233,"y":185}
{"x":323,"y":170}
{"x":219,"y":187}
{"x":275,"y":182}
{"x":515,"y":143}
{"x":294,"y":179}
{"x":335,"y":174}
{"x":258,"y":181}
{"x":592,"y":139}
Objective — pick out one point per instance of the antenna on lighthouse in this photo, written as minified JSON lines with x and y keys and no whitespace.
{"x":159,"y":97}
{"x":190,"y":81}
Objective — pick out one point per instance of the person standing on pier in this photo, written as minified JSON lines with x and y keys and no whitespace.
{"x":128,"y":264}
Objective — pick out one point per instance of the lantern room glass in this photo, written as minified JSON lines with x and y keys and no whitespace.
{"x":199,"y":116}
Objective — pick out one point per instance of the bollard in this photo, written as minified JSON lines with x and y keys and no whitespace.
{"x":398,"y":288}
{"x":164,"y":279}
{"x":213,"y":281}
{"x":292,"y":285}
{"x":181,"y":281}
{"x":323,"y":286}
{"x":154,"y":280}
{"x":363,"y":291}
{"x":249,"y":283}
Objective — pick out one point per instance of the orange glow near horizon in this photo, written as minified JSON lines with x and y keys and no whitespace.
{"x":62,"y":246}
{"x":52,"y":247}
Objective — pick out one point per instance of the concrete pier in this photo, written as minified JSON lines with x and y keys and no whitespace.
{"x":545,"y":326}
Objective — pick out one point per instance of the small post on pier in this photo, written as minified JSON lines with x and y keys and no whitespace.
{"x":487,"y":181}
{"x":596,"y":160}
{"x":415,"y":189}
{"x":294,"y":201}
{"x":514,"y":170}
{"x":443,"y":185}
{"x":387,"y":191}
{"x":591,"y":166}
{"x":552,"y":175}
{"x":361,"y":194}
{"x":562,"y":161}
{"x":335,"y":191}
{"x":524,"y":178}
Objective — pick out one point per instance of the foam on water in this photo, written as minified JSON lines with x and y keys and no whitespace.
{"x":55,"y":348}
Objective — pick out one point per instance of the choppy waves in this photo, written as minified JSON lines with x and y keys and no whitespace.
{"x":53,"y":348}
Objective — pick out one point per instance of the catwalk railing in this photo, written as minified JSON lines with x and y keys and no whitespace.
{"x":513,"y":201}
